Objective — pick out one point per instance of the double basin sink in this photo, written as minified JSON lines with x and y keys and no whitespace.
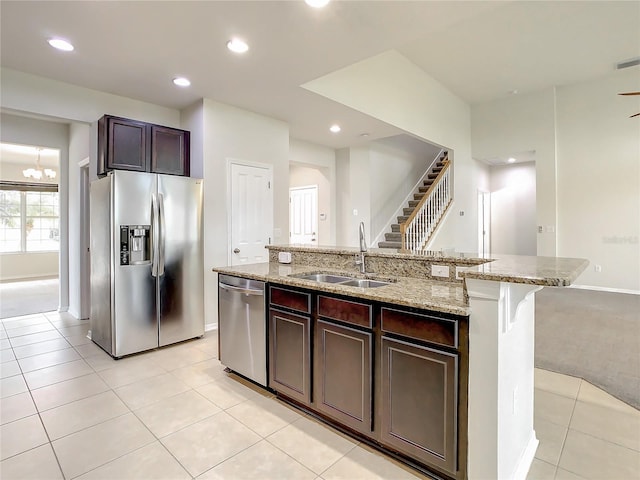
{"x":341,"y":280}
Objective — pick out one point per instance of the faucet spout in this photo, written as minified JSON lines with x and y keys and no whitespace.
{"x":363,"y":242}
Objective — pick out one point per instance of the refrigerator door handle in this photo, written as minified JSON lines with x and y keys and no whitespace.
{"x":162,"y":235}
{"x":155,"y":231}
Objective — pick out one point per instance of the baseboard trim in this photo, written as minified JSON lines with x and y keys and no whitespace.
{"x":210,"y":326}
{"x":605,"y":289}
{"x":524,"y":465}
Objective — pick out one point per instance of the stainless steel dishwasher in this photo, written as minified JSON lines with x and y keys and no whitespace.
{"x":242,"y":327}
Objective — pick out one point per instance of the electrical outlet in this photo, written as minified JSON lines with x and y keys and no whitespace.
{"x":440,"y":271}
{"x":597,"y":268}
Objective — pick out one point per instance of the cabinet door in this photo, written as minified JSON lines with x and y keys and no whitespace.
{"x":342,"y":374}
{"x":127,"y":145}
{"x":419,"y":402}
{"x":290,"y":355}
{"x":169,"y":151}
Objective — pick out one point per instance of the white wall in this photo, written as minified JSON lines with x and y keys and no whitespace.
{"x":513,"y":209}
{"x":587,"y":173}
{"x":233,"y":133}
{"x":522,"y":123}
{"x":599,"y":178}
{"x":391,"y":88}
{"x":315,"y":164}
{"x":19,"y":266}
{"x":353,"y":183}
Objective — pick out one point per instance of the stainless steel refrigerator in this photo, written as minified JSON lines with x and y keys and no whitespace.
{"x":146,"y":261}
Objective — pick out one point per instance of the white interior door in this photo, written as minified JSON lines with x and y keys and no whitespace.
{"x":484,"y":223}
{"x":251,"y":213}
{"x":303,"y":215}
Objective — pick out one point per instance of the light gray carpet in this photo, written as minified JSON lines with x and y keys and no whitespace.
{"x":592,"y":335}
{"x":24,"y":298}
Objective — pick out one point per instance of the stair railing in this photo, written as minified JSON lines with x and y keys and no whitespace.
{"x":418,"y":228}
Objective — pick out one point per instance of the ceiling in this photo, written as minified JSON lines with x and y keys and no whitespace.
{"x":480,"y":50}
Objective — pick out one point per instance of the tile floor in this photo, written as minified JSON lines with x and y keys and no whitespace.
{"x":70,"y":411}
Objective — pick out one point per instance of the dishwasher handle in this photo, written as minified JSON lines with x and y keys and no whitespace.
{"x":246,"y":291}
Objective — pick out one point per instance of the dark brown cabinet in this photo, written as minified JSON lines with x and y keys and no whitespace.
{"x":125,"y":144}
{"x":290,"y":343}
{"x":418,"y":415}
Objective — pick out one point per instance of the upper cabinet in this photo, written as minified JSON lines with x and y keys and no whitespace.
{"x":125,"y":144}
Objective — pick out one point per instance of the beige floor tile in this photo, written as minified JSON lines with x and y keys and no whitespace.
{"x":69,"y":322}
{"x":127,"y":372}
{"x":541,"y":470}
{"x":12,"y":386}
{"x":35,"y":338}
{"x":5,"y":343}
{"x":552,"y":407}
{"x":172,"y":414}
{"x":149,"y":462}
{"x":81,"y":414}
{"x":183,"y":355}
{"x":3,"y":334}
{"x":89,"y":349}
{"x":598,"y":459}
{"x":41,"y":347}
{"x":7,"y":355}
{"x":74,"y":331}
{"x":201,"y":446}
{"x":365,"y":464}
{"x":25,"y":321}
{"x":562,"y":474}
{"x":260,"y":461}
{"x":152,"y":390}
{"x":264,"y":415}
{"x":557,"y":383}
{"x":591,"y":394}
{"x":16,"y":407}
{"x":59,"y":316}
{"x":100,"y":444}
{"x":226,"y":392}
{"x":44,"y":360}
{"x":9,"y":369}
{"x":68,"y":391}
{"x":22,"y":331}
{"x":21,"y":435}
{"x":99,"y":361}
{"x":57,"y":373}
{"x":611,"y":425}
{"x":551,"y":437}
{"x":200,"y":373}
{"x":314,"y":445}
{"x":76,"y":340}
{"x":37,"y":464}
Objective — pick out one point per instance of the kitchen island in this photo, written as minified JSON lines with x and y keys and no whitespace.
{"x":434,"y":365}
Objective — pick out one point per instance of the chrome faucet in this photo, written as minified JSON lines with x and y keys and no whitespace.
{"x":363,"y":249}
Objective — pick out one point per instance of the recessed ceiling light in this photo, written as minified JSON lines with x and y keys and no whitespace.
{"x":238,"y":46}
{"x":60,"y":44}
{"x":181,"y":81}
{"x":511,"y":160}
{"x":335,"y":128}
{"x":513,"y":92}
{"x":317,"y":3}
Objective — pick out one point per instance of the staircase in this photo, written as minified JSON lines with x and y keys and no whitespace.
{"x":393,"y":239}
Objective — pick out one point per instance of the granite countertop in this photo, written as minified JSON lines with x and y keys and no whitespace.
{"x":417,"y":291}
{"x":426,"y":294}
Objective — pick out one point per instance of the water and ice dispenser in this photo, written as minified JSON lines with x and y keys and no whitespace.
{"x":135,"y":244}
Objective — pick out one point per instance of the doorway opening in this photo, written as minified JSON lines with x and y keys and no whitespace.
{"x":303,"y":215}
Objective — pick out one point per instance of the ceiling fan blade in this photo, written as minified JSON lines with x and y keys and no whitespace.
{"x":634,"y":115}
{"x":629,"y":93}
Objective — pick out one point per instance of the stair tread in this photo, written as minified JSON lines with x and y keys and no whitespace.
{"x":396,"y":245}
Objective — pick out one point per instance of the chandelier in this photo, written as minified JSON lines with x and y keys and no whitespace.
{"x":38,"y":172}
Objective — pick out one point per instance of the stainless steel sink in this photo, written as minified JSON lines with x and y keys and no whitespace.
{"x":322,"y":277}
{"x":364,"y":283}
{"x":341,"y":280}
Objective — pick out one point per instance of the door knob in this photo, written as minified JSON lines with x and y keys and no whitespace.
{"x":236,"y":250}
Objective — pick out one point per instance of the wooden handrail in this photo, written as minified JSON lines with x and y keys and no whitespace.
{"x":403,"y":225}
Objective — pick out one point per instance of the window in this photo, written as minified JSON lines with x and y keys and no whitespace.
{"x":29,"y":217}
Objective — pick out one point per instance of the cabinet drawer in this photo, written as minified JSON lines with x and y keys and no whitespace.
{"x":345,"y":311}
{"x":290,"y":299}
{"x":432,"y":329}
